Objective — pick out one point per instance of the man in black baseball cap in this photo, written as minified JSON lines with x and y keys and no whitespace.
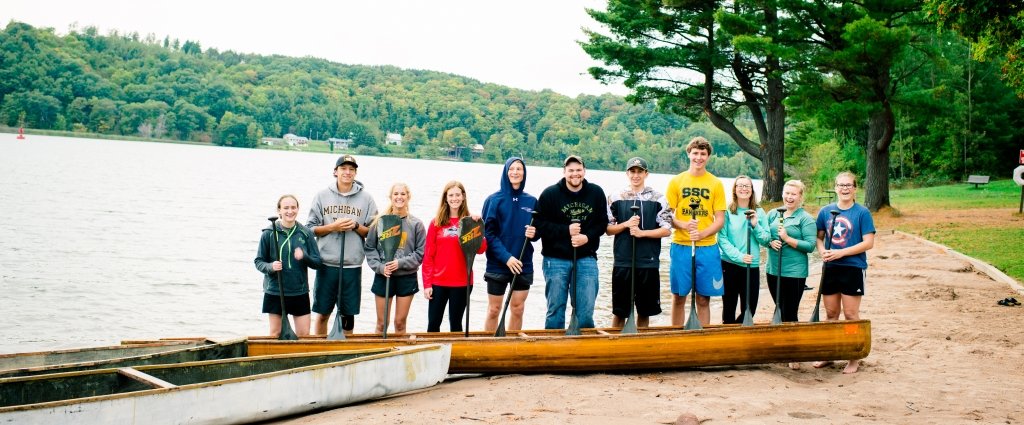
{"x":346,"y":159}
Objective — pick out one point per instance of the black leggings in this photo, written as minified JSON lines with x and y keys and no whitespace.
{"x":735,"y":290}
{"x":792,"y":291}
{"x":455,"y":298}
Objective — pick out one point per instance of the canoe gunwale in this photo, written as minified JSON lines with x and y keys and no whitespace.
{"x":371,"y":354}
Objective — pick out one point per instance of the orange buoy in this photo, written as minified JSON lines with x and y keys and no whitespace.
{"x":21,"y":133}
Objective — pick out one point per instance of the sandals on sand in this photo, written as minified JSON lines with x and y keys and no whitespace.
{"x":1009,"y":302}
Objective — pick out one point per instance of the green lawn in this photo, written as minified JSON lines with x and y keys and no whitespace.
{"x":997,"y":194}
{"x":997,"y":242}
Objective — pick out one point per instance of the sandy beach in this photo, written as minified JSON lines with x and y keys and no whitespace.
{"x":943,"y":352}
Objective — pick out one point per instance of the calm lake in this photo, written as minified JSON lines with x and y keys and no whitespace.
{"x":112,"y":240}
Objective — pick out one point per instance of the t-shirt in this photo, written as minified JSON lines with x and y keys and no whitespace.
{"x":708,"y":191}
{"x":851,"y":226}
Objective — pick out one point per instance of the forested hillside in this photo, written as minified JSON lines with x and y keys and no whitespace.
{"x":163,"y":88}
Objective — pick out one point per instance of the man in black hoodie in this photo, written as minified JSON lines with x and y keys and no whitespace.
{"x":563,"y":242}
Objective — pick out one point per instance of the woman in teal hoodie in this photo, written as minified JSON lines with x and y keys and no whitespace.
{"x":793,"y":235}
{"x":289,"y":260}
{"x":732,"y":242}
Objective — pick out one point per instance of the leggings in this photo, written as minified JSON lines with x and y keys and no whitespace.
{"x":455,"y":298}
{"x":792,"y":291}
{"x":735,"y":290}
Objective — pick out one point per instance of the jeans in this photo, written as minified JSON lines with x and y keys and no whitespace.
{"x":557,"y":277}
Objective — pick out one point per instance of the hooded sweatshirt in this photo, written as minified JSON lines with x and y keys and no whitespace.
{"x":506,"y":214}
{"x":410,"y":248}
{"x":329,"y":206}
{"x":557,"y":206}
{"x":294,"y":273}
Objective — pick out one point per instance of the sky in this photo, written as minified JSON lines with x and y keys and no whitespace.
{"x":526,"y":44}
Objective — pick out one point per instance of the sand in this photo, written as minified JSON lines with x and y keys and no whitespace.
{"x":943,"y":352}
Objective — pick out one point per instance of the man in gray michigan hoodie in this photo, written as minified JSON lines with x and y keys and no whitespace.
{"x":341,"y":213}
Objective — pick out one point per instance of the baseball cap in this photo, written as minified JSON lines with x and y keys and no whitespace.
{"x":346,"y":159}
{"x":637,"y":162}
{"x":573,"y":158}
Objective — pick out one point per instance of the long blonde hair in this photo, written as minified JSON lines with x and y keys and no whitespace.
{"x":391,"y":206}
{"x":735,"y":199}
{"x":443,"y":211}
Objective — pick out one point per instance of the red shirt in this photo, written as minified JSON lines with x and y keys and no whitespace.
{"x":444,"y":264}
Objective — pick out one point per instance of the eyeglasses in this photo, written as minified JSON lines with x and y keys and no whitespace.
{"x":845,"y":185}
{"x":744,"y":186}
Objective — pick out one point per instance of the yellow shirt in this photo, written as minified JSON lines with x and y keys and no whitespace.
{"x":708,"y":191}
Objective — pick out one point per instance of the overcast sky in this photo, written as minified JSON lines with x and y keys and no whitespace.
{"x":527,"y":44}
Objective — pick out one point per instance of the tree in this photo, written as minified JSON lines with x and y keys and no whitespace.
{"x":679,"y":55}
{"x":859,"y":70}
{"x":996,"y":26}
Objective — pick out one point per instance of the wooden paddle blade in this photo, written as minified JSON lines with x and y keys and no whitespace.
{"x":777,"y":318}
{"x":286,"y":330}
{"x":337,"y":332}
{"x":471,"y":236}
{"x":389,"y":235}
{"x":574,"y":325}
{"x":692,"y":323}
{"x":630,"y":326}
{"x":748,"y":319}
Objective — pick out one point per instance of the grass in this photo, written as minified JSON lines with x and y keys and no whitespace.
{"x":983,"y":223}
{"x":997,"y":194}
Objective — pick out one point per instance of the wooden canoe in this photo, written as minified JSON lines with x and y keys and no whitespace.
{"x":152,"y":352}
{"x":221,"y":391}
{"x":606,"y":350}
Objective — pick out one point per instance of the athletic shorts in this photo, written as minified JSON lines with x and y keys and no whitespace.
{"x":325,"y":291}
{"x":648,"y":291}
{"x":847,"y":280}
{"x":497,"y":283}
{"x":295,"y":305}
{"x":709,"y":270}
{"x":405,"y":285}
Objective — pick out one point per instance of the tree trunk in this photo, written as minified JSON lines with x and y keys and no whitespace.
{"x":881,"y":127}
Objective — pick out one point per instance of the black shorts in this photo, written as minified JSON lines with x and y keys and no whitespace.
{"x":295,"y":305}
{"x":648,"y":291}
{"x":405,"y":285}
{"x":497,"y":283}
{"x":325,"y":291}
{"x":847,"y":280}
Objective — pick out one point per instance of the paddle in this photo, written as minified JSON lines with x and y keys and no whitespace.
{"x":574,"y":321}
{"x":286,"y":328}
{"x":471,"y":236}
{"x":630,"y":326}
{"x":748,"y":318}
{"x":337,"y":332}
{"x":828,"y":245}
{"x":388,"y":239}
{"x":693,"y":322}
{"x":777,"y":318}
{"x":508,"y":298}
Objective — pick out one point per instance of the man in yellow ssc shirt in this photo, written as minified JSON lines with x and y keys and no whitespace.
{"x":696,"y":185}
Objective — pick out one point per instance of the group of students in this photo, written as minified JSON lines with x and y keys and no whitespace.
{"x":714,"y":246}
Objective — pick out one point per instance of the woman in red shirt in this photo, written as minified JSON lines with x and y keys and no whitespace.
{"x":444,"y":265}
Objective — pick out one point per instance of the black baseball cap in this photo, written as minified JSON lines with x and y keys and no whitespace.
{"x":346,"y":159}
{"x":636,"y":162}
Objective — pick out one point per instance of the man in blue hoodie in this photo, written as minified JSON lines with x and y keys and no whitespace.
{"x":509,"y":255}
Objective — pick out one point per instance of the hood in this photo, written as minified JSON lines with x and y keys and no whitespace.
{"x":357,"y":186}
{"x":506,"y":184}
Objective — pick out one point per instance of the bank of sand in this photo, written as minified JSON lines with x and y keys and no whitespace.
{"x":943,"y":352}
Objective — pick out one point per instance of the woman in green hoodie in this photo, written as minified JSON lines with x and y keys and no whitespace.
{"x":285,"y":263}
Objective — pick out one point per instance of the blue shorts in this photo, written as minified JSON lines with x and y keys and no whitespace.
{"x":709,"y":270}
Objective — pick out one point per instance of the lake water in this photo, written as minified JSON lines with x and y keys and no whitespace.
{"x":112,"y":240}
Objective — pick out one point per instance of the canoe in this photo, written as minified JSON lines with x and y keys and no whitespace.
{"x":221,"y":391}
{"x":152,"y":352}
{"x":606,"y":350}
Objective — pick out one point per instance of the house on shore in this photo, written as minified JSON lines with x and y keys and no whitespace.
{"x":293,"y":140}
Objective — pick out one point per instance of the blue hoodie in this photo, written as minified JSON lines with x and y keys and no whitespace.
{"x":506,"y":214}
